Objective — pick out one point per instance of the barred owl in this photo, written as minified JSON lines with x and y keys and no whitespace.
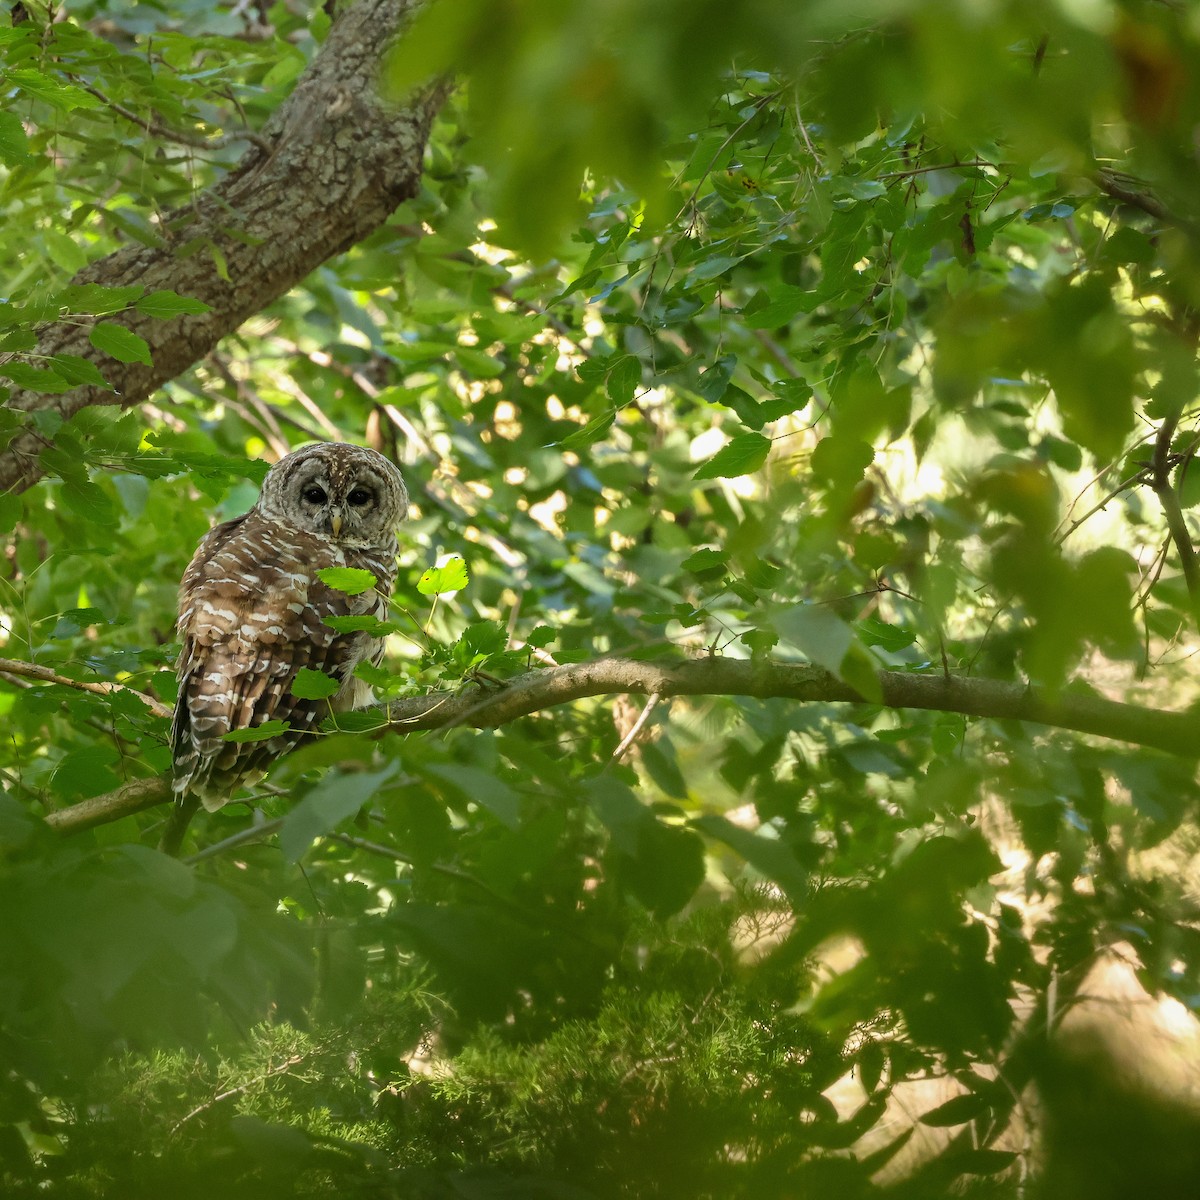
{"x":251,"y":608}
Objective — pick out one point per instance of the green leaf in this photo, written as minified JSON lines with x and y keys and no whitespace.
{"x":479,"y":787}
{"x":35,"y":379}
{"x":706,"y":563}
{"x":361,"y":624}
{"x":766,"y":854}
{"x":335,"y":799}
{"x":667,"y":868}
{"x":85,"y":772}
{"x":62,"y":96}
{"x":122,"y":344}
{"x":781,"y":306}
{"x":14,"y":144}
{"x":160,"y":873}
{"x":314,"y":685}
{"x":96,"y":299}
{"x":351,"y":580}
{"x":841,"y":461}
{"x":88,"y":499}
{"x":78,"y":371}
{"x":957,"y":1111}
{"x":19,"y":341}
{"x":893,"y":638}
{"x":478,"y":642}
{"x":273,"y":1145}
{"x":715,"y":379}
{"x":623,"y":379}
{"x":593,"y":431}
{"x":712,"y":267}
{"x":858,"y":669}
{"x":260,"y":733}
{"x":357,"y":720}
{"x":451,"y":576}
{"x":745,"y":454}
{"x":819,"y":633}
{"x":165,"y":304}
{"x":10,"y":511}
{"x":1189,"y":486}
{"x":977,"y":1162}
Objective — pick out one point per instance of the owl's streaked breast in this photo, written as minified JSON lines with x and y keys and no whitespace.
{"x":252,"y":615}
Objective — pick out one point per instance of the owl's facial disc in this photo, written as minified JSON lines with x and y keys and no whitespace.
{"x":312,"y":496}
{"x":333,"y":505}
{"x":346,"y":493}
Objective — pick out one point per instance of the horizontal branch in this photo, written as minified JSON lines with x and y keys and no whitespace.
{"x":1174,"y":732}
{"x":28,"y":670}
{"x":128,"y":799}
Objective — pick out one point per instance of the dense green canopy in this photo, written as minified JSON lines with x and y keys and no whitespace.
{"x":789,"y":691}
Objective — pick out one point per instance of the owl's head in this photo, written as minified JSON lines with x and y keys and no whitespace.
{"x":349,"y":494}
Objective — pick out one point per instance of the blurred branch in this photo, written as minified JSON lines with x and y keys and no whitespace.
{"x":1160,"y":480}
{"x":281,"y":1068}
{"x":1174,"y":732}
{"x":1131,"y":191}
{"x":1129,"y":482}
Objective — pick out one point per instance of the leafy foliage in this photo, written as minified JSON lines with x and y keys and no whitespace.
{"x":866,"y":340}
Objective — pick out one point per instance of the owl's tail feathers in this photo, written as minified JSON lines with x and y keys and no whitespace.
{"x":182,"y":812}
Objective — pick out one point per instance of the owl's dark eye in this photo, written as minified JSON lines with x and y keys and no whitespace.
{"x":314,"y":494}
{"x":359,"y":497}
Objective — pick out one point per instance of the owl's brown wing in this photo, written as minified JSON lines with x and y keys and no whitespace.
{"x":251,"y":616}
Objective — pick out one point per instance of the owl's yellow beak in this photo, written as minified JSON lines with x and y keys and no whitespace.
{"x":335,"y":522}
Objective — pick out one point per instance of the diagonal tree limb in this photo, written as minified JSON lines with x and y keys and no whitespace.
{"x":1173,"y":732}
{"x":343,"y":158}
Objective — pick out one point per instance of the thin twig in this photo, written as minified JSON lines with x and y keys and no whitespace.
{"x":638,"y":725}
{"x":909,"y":172}
{"x":281,"y":1069}
{"x":254,"y":833}
{"x":285,"y":383}
{"x":245,"y":394}
{"x":159,"y":130}
{"x":1131,"y":481}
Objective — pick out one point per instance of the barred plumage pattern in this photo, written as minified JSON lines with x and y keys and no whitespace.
{"x":251,"y":611}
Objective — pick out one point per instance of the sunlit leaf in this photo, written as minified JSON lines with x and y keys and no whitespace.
{"x":742,"y":456}
{"x":451,"y":576}
{"x":351,"y":580}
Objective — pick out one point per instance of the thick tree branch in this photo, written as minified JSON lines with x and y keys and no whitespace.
{"x":1174,"y":732}
{"x":342,"y":160}
{"x":112,"y":806}
{"x":1131,"y":191}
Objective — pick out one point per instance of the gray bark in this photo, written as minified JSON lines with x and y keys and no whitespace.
{"x":342,"y":159}
{"x":1174,"y":732}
